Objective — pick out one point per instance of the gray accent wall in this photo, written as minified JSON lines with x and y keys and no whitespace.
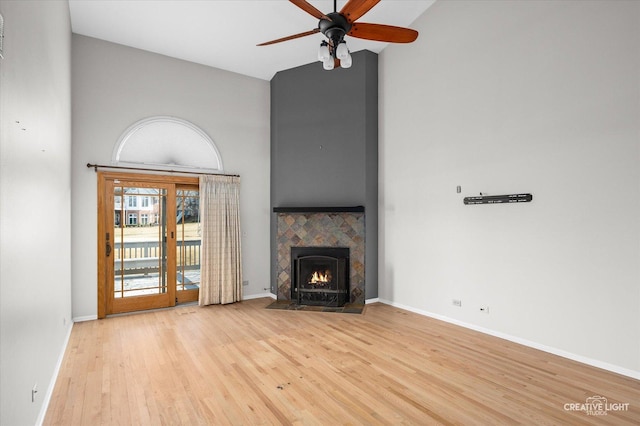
{"x":324,"y":146}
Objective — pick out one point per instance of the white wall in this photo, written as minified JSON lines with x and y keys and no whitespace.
{"x":509,"y":97}
{"x":35,"y":203}
{"x":115,"y":86}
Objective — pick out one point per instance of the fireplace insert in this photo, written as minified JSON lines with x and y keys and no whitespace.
{"x":320,"y":275}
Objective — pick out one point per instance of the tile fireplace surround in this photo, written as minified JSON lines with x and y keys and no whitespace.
{"x":321,"y":227}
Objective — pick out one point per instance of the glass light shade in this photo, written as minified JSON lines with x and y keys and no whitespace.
{"x":346,"y":62}
{"x":323,"y":52}
{"x":328,"y":64}
{"x":342,"y":51}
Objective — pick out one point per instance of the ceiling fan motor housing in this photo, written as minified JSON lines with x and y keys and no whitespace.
{"x":336,"y":28}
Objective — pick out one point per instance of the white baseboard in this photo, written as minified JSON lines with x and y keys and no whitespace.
{"x":259,"y":296}
{"x":85,"y":318}
{"x":374,"y":300}
{"x":54,"y":378}
{"x":555,"y":351}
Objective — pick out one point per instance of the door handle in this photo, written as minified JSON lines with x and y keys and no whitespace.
{"x":108,"y":245}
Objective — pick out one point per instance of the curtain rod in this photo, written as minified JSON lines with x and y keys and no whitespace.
{"x":101,"y":166}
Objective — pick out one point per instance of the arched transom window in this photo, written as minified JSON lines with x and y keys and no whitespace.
{"x":167,"y":143}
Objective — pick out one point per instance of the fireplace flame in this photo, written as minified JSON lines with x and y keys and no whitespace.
{"x":320,"y":278}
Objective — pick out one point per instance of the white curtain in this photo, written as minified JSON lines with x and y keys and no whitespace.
{"x":221,"y":260}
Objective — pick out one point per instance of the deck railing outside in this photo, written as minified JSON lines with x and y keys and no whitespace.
{"x":142,"y":257}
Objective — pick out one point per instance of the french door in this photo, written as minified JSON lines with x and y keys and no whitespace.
{"x":148,"y":242}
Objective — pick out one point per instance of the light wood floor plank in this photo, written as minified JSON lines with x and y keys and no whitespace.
{"x":242,"y":364}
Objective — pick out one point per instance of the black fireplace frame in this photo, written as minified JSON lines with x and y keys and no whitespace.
{"x":323,"y":297}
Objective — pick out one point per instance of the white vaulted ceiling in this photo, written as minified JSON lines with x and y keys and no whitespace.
{"x":224,"y":33}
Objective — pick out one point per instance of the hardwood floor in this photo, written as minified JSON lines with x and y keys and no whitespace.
{"x":243,"y":364}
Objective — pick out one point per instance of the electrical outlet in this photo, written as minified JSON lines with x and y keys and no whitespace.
{"x":484,"y":309}
{"x":34,"y":391}
{"x":457,"y":302}
{"x":245,"y":283}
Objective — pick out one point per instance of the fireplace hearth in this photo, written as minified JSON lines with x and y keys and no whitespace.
{"x":320,"y":275}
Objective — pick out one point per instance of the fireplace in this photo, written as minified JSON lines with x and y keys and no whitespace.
{"x":320,"y":275}
{"x":334,"y":232}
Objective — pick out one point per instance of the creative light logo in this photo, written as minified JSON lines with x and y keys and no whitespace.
{"x":596,"y":406}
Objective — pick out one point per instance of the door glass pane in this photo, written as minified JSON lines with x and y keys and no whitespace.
{"x":188,"y":239}
{"x":140,"y":230}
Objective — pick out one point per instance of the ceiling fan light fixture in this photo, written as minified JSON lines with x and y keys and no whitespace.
{"x":342,"y":52}
{"x":346,"y":62}
{"x":323,"y":52}
{"x":336,"y":25}
{"x":329,"y":64}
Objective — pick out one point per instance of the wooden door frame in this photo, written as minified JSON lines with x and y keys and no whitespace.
{"x":184,"y":296}
{"x":103,"y":203}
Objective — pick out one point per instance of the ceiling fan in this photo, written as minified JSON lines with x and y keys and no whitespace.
{"x":336,"y":25}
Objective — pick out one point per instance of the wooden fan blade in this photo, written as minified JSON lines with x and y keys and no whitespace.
{"x":354,"y":9}
{"x":291,"y":37}
{"x":379,"y":32}
{"x":310,"y":9}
